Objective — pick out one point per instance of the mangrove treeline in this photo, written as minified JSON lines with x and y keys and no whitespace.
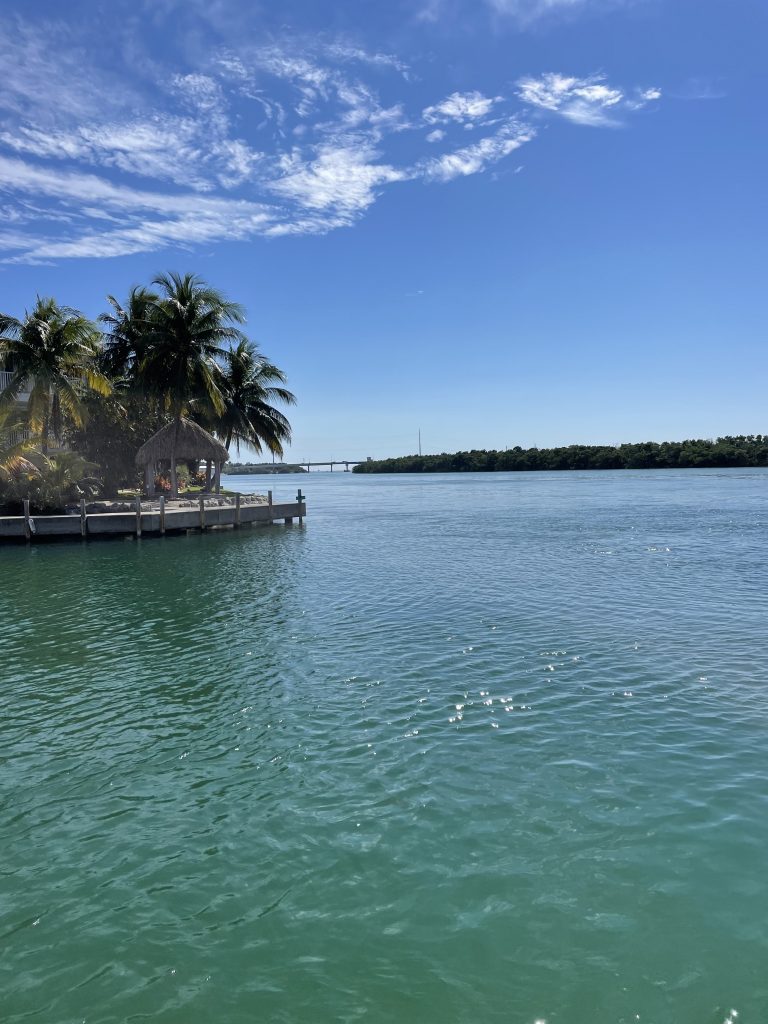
{"x":743,"y":450}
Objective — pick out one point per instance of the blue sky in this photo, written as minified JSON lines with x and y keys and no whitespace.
{"x":498,"y":221}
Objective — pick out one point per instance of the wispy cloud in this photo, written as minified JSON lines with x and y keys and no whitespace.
{"x":476,"y":157}
{"x":280,"y":139}
{"x":700,"y":89}
{"x":523,"y":14}
{"x":48,"y":74}
{"x":587,"y":101}
{"x":526,"y":12}
{"x":463,"y":107}
{"x":341,"y":178}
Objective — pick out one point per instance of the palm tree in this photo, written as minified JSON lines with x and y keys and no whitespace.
{"x":128,"y":327}
{"x":53,"y":351}
{"x":190,"y":324}
{"x":248,"y":388}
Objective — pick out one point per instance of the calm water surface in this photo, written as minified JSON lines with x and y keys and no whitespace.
{"x":463,"y":749}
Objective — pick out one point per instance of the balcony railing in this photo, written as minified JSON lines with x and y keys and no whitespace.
{"x":17,"y":436}
{"x":5,"y":379}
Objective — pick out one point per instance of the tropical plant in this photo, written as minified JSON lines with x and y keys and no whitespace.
{"x":53,"y":351}
{"x":190,"y":325}
{"x":248,"y":388}
{"x":65,"y":477}
{"x":16,"y":446}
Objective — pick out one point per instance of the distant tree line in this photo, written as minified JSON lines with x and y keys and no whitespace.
{"x":742,"y":450}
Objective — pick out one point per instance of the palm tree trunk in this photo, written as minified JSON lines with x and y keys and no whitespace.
{"x":174,"y":443}
{"x":44,"y":436}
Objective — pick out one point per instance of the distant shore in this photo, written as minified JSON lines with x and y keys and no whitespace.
{"x":721,"y":453}
{"x":262,"y":467}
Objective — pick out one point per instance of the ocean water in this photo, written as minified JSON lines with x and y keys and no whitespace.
{"x":462,"y":749}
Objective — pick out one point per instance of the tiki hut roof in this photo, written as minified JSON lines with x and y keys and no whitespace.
{"x":193,"y":443}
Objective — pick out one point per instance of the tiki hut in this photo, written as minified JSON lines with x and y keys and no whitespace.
{"x":193,"y":445}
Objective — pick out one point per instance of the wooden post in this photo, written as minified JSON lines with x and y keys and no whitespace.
{"x":27,"y":527}
{"x":83,"y":519}
{"x":300,"y":499}
{"x":269,"y":504}
{"x":138,"y":515}
{"x":217,"y":478}
{"x":162,"y":515}
{"x":237,"y":511}
{"x":202,"y":512}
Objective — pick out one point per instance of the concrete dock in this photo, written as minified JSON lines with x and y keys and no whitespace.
{"x":152,"y":518}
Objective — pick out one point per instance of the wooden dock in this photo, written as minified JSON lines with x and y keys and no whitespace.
{"x":155,"y":521}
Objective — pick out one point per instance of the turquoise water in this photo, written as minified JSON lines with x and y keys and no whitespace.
{"x":461,"y":749}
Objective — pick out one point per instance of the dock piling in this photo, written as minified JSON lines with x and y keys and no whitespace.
{"x":138,"y":515}
{"x":83,"y":519}
{"x":27,"y":527}
{"x":237,"y":511}
{"x":162,"y":515}
{"x":202,"y":512}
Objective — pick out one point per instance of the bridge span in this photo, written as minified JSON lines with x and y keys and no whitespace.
{"x":346,"y":463}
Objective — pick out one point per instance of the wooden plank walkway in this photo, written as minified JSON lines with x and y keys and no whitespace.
{"x":157,"y":521}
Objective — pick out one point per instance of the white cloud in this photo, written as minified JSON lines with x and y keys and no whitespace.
{"x":460,"y":106}
{"x":475,"y":158}
{"x":526,"y":12}
{"x":253,"y":141}
{"x":342,"y":178}
{"x":149,"y":220}
{"x":48,"y":74}
{"x":586,"y":101}
{"x":348,"y":52}
{"x":164,"y":148}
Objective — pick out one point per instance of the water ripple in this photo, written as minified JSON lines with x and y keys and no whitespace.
{"x":462,"y":748}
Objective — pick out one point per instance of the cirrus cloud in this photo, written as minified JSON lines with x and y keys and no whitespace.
{"x":283,"y":139}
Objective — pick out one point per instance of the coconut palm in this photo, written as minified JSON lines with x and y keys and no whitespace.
{"x":127,"y":330}
{"x":248,"y":389}
{"x":190,"y":325}
{"x":52,"y":351}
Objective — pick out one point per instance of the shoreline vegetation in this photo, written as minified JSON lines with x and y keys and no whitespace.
{"x":744,"y":450}
{"x":80,"y":400}
{"x":248,"y":469}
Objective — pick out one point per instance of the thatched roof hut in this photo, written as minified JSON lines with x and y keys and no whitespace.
{"x":193,"y":443}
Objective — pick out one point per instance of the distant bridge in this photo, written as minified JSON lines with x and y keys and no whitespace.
{"x":346,"y":463}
